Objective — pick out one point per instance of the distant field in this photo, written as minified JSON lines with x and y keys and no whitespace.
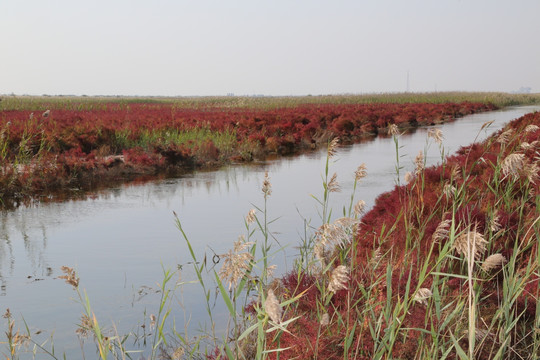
{"x":45,"y":102}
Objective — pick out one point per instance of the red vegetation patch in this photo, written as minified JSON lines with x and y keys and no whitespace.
{"x":475,"y":191}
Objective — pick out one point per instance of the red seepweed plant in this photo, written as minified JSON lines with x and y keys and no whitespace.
{"x":444,"y":266}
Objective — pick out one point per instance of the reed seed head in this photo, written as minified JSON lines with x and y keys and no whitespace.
{"x":422,"y":295}
{"x":482,"y":334}
{"x":532,"y":171}
{"x":360,"y":207}
{"x":178,"y":354}
{"x":267,"y":186}
{"x":486,"y":124}
{"x":273,"y":307}
{"x":393,"y":130}
{"x":437,"y":135}
{"x":512,"y":165}
{"x":470,"y":244}
{"x":7,"y":314}
{"x":376,"y":258}
{"x":338,"y":233}
{"x":526,"y":146}
{"x":504,"y":138}
{"x":531,"y":128}
{"x":70,"y":276}
{"x":19,"y":340}
{"x":493,"y":261}
{"x":319,"y":251}
{"x":456,"y":173}
{"x":361,"y":172}
{"x":85,"y":327}
{"x":237,"y":263}
{"x":333,"y":185}
{"x":408,"y":177}
{"x":494,"y":224}
{"x":449,"y":190}
{"x":325,"y":319}
{"x":270,"y":270}
{"x":250,"y":218}
{"x":419,"y":162}
{"x":442,"y":231}
{"x":339,"y":279}
{"x":332,"y":147}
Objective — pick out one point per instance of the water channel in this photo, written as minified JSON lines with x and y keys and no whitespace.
{"x":121,"y":239}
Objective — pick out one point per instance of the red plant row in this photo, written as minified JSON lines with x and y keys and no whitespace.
{"x":68,"y":129}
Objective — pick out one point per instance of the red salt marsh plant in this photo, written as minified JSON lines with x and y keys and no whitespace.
{"x":445,"y":266}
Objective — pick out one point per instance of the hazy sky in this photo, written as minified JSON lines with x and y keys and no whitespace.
{"x":270,"y":47}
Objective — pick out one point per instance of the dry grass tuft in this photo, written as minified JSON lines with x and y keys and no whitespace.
{"x":504,"y":138}
{"x":339,"y":279}
{"x":237,"y":262}
{"x":333,"y":185}
{"x":437,"y":135}
{"x":178,"y":354}
{"x":359,"y":208}
{"x":441,"y":232}
{"x":85,"y":327}
{"x":531,"y":171}
{"x":267,"y":186}
{"x":470,"y":243}
{"x":393,"y":130}
{"x":449,"y":190}
{"x":456,"y":172}
{"x":486,"y":124}
{"x":361,"y":172}
{"x":525,"y":146}
{"x":338,"y":233}
{"x":272,"y":307}
{"x":376,"y":258}
{"x":70,"y":277}
{"x":493,"y":262}
{"x":250,"y":218}
{"x":422,"y":295}
{"x":332,"y":147}
{"x":408,"y":177}
{"x":513,"y":164}
{"x":494,"y":224}
{"x":531,"y":128}
{"x":419,"y":162}
{"x":325,"y":320}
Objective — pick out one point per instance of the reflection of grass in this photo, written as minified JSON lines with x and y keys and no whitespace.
{"x":443,"y":267}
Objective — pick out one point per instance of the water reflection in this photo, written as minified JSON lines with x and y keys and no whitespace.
{"x":117,"y":239}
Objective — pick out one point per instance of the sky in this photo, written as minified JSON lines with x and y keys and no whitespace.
{"x":267,"y":47}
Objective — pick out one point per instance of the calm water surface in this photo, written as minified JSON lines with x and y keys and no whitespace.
{"x":120,"y":240}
